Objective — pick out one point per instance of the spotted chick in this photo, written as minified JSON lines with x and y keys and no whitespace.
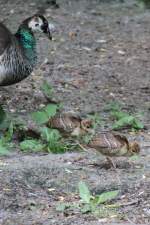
{"x":113,"y":145}
{"x":69,"y":123}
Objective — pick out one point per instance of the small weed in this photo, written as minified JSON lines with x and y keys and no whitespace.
{"x":6,"y":140}
{"x":50,"y":141}
{"x":113,"y":106}
{"x":53,"y":139}
{"x":47,"y":89}
{"x":95,"y":204}
{"x":144,"y":4}
{"x":41,"y":117}
{"x":123,"y":119}
{"x":32,"y":145}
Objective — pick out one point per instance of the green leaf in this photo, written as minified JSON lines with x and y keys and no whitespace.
{"x":9,"y":134}
{"x":47,"y":89}
{"x":61,"y":207}
{"x":86,"y":208}
{"x":134,"y":158}
{"x":119,"y":114}
{"x":65,"y":205}
{"x":107,"y":196}
{"x":31,"y":145}
{"x":51,"y":110}
{"x":53,"y":140}
{"x":137,"y":124}
{"x":40,"y":117}
{"x":50,"y":135}
{"x":127,"y":120}
{"x":113,"y":106}
{"x":84,"y":192}
{"x":3,"y":150}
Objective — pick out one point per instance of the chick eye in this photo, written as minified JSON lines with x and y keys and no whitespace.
{"x":36,"y":25}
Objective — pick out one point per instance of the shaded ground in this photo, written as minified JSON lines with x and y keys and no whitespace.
{"x":103,"y":50}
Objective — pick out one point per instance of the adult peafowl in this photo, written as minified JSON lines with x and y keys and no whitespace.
{"x":18,"y":51}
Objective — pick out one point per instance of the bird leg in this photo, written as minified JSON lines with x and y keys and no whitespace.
{"x":114,"y":167}
{"x":111,"y":162}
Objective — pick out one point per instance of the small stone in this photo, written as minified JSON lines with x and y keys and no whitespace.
{"x":121,"y":52}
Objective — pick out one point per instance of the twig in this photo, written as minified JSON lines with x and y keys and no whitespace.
{"x":82,"y":147}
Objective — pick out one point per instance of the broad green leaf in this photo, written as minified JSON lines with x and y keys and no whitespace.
{"x":50,"y":135}
{"x":31,"y":145}
{"x":86,"y":208}
{"x":9,"y":134}
{"x":134,"y":158}
{"x":61,"y":207}
{"x":127,"y":120}
{"x":107,"y":196}
{"x":45,"y":133}
{"x":47,"y":89}
{"x":137,"y":124}
{"x":84,"y":192}
{"x":119,"y":114}
{"x":3,"y":150}
{"x":51,"y":110}
{"x":40,"y":117}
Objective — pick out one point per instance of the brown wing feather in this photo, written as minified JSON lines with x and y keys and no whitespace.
{"x":122,"y":139}
{"x":5,"y":38}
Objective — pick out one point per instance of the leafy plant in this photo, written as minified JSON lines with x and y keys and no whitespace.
{"x":84,"y":192}
{"x":6,"y":141}
{"x":144,"y":3}
{"x":94,"y":201}
{"x":53,"y":140}
{"x":50,"y":141}
{"x":95,"y":204}
{"x":41,"y":117}
{"x":113,"y":106}
{"x":47,"y":89}
{"x":32,"y":145}
{"x":123,"y":119}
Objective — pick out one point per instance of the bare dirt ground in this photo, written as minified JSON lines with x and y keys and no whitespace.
{"x":103,"y":49}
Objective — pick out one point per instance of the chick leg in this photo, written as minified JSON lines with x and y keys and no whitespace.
{"x":111,"y":162}
{"x":114,"y":167}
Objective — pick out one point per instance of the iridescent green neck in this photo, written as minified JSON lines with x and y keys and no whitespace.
{"x":28,"y":43}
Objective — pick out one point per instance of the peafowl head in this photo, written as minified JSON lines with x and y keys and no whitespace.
{"x":38,"y":23}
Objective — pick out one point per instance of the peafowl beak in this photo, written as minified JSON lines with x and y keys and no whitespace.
{"x":51,"y":29}
{"x":49,"y":34}
{"x":46,"y":28}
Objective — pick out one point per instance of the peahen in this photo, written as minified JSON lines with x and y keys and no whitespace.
{"x":18,"y":51}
